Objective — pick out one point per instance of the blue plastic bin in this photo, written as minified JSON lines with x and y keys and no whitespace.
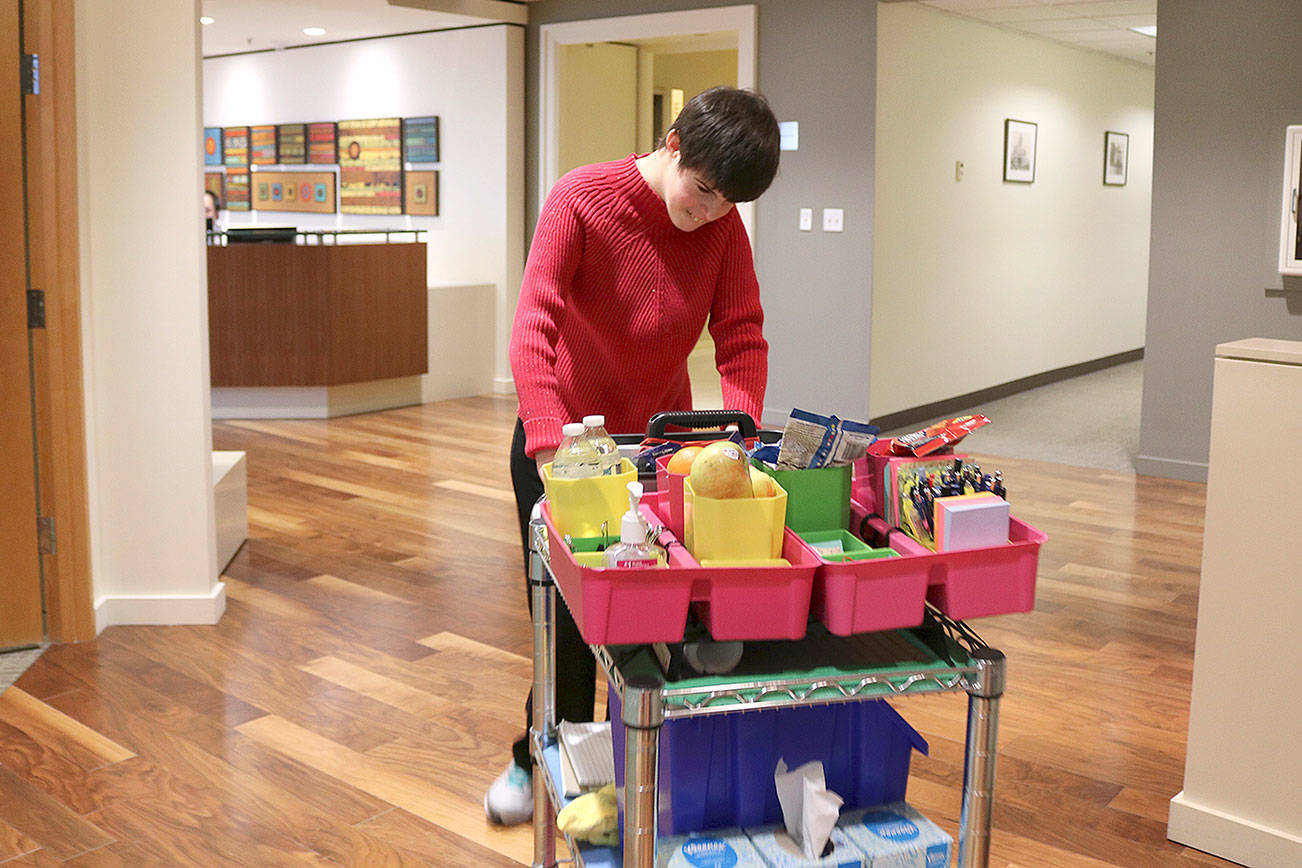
{"x":718,"y":770}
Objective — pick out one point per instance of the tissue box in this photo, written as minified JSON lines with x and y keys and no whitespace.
{"x":896,"y":836}
{"x":780,"y":851}
{"x":717,"y":847}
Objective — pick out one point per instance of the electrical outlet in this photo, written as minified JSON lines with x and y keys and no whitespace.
{"x":806,"y":219}
{"x":832,"y":219}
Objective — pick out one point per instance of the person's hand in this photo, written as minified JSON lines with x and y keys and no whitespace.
{"x":543,"y":456}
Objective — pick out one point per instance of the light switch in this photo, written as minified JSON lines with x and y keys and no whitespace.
{"x":832,"y":219}
{"x":806,"y":219}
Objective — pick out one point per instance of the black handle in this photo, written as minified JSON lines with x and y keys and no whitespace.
{"x":702,"y":419}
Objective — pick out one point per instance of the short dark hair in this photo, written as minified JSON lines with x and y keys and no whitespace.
{"x":731,"y":137}
{"x":216,"y":200}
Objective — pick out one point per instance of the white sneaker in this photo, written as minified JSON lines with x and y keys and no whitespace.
{"x":509,"y":800}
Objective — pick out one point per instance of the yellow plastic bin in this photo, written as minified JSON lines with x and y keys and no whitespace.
{"x":735,"y":528}
{"x":580,"y":506}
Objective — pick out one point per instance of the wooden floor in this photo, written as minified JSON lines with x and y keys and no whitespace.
{"x":366,"y":681}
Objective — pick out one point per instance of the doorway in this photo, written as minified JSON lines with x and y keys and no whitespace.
{"x":21,"y":617}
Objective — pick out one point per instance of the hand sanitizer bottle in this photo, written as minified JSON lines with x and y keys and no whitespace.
{"x":632,"y":550}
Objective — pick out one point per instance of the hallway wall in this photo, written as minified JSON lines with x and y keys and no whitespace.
{"x":1227,"y":86}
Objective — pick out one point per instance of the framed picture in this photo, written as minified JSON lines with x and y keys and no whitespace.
{"x":370,"y":166}
{"x":321,"y":143}
{"x":212,"y":146}
{"x":237,"y":191}
{"x":235,"y":147}
{"x":262,"y":145}
{"x":291,"y":144}
{"x":1019,"y":151}
{"x":420,"y":140}
{"x":421,"y":193}
{"x":1116,"y":155}
{"x":215,"y":183}
{"x":1290,"y":227}
{"x":303,"y":192}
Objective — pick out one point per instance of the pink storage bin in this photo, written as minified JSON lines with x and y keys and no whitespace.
{"x":613,"y":606}
{"x":975,"y":583}
{"x":631,"y":606}
{"x":865,"y":596}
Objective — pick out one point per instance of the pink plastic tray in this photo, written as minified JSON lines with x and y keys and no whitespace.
{"x":612,"y":606}
{"x":671,"y":484}
{"x":864,"y":596}
{"x":968,"y":584}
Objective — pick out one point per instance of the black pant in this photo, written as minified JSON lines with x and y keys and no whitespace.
{"x":576,"y":668}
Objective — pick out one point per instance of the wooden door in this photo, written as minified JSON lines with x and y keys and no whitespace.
{"x":20,"y":578}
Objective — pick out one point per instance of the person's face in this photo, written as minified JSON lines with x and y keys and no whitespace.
{"x":209,"y":206}
{"x":690,"y":199}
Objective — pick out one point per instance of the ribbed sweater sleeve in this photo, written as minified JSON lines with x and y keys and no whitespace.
{"x":613,"y":300}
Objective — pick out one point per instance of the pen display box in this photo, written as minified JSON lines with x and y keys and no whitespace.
{"x":717,"y":770}
{"x":580,"y":507}
{"x":634,"y":606}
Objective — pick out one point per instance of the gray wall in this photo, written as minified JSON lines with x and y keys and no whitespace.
{"x":1229,"y":80}
{"x":817,"y":287}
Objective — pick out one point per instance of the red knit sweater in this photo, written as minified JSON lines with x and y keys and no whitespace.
{"x":613,"y":300}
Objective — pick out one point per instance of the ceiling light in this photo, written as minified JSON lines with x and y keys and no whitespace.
{"x":314,"y":31}
{"x":205,"y":19}
{"x":1150,"y":30}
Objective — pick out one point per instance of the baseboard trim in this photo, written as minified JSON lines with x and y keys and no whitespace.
{"x":161,"y":610}
{"x":1171,"y":468}
{"x":1230,"y":837}
{"x":504,"y":385}
{"x":949,"y":406}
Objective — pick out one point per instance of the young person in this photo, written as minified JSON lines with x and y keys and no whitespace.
{"x":629,"y":261}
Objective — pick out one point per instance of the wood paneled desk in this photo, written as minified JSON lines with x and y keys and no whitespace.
{"x":316,"y":316}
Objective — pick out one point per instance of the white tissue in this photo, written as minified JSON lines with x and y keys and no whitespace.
{"x":809,"y":808}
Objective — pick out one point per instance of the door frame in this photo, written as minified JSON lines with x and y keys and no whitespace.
{"x":54,"y":227}
{"x":551,"y":37}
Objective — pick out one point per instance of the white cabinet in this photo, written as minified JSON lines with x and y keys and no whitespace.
{"x":1242,"y":796}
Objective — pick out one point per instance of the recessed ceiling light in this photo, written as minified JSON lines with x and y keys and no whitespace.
{"x":1151,"y":30}
{"x":314,"y":31}
{"x":205,"y":19}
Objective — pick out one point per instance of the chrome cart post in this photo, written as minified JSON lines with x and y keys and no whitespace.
{"x":643,"y":713}
{"x":542,"y":726}
{"x":984,"y":691}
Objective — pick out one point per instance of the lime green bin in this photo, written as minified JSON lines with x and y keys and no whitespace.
{"x":816,"y":499}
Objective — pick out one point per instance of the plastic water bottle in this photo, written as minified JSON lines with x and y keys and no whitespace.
{"x":575,"y":457}
{"x":607,"y":449}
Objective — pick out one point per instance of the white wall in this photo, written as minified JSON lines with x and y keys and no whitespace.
{"x":145,"y":315}
{"x":473,"y":79}
{"x":979,"y":282}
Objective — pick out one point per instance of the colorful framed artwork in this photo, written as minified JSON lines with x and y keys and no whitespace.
{"x":370,"y":166}
{"x":237,"y":191}
{"x":291,"y":144}
{"x":235,"y":147}
{"x":420,"y":140}
{"x":420,"y":193}
{"x":321,"y":143}
{"x":1116,"y":154}
{"x":262,"y":145}
{"x":304,"y":192}
{"x":212,"y":146}
{"x":215,"y":183}
{"x":1019,"y":151}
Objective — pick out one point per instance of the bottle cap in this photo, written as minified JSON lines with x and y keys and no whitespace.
{"x":594,"y":421}
{"x":571,"y":429}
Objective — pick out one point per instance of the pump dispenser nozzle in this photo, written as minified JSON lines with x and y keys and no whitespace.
{"x":631,"y":528}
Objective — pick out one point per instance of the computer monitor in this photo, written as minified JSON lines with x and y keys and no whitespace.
{"x":261,"y":235}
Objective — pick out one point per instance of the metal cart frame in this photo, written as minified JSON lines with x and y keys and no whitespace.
{"x":647,"y":704}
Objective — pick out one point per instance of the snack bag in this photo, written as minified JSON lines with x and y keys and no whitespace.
{"x":938,"y":436}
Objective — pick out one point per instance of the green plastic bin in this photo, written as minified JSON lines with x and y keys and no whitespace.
{"x":816,"y":499}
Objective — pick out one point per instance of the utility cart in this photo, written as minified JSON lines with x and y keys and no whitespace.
{"x":819,"y":669}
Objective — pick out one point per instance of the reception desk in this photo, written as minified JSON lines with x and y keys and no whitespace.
{"x":316,"y":330}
